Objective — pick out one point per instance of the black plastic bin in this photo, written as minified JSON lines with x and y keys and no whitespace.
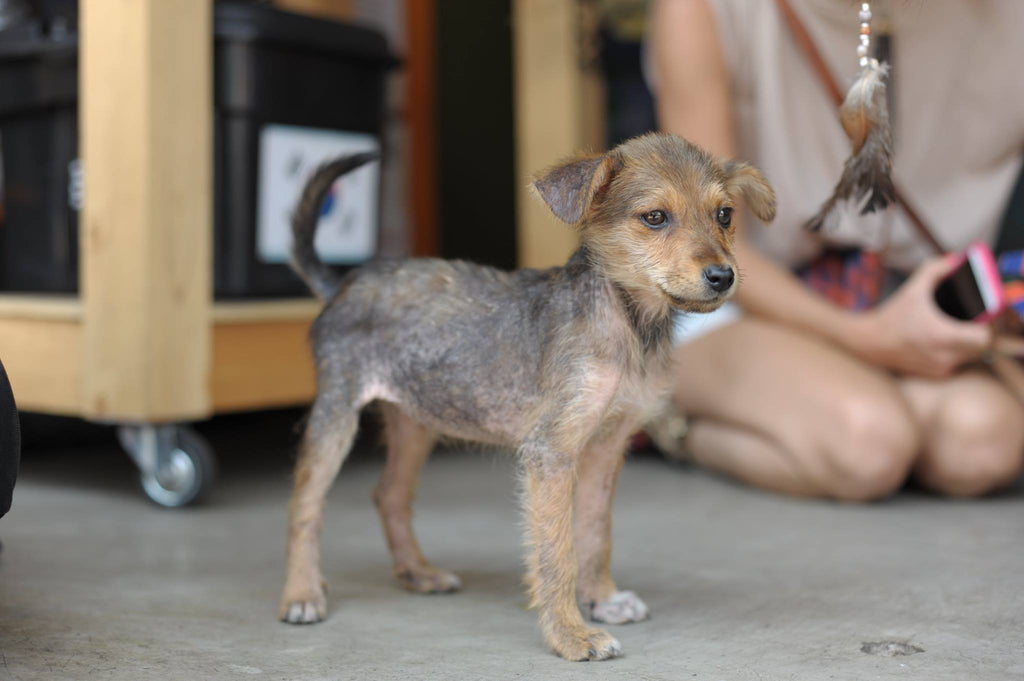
{"x":39,"y":138}
{"x":301,"y":86}
{"x":279,"y":75}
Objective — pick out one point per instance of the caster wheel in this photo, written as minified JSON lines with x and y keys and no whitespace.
{"x":176,"y":464}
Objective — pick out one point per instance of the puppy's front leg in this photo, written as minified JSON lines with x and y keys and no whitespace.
{"x":550,"y":479}
{"x":595,"y":491}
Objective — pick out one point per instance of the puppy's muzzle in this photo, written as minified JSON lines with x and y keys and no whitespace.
{"x":719,"y":277}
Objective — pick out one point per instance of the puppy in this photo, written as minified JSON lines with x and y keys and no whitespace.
{"x":561,"y":364}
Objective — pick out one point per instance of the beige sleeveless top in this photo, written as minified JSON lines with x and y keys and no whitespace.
{"x":958,"y":79}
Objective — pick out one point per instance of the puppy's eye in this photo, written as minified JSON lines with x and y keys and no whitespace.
{"x":724,"y":217}
{"x":655,"y":218}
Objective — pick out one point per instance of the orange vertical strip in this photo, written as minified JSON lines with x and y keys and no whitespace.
{"x":421,"y":85}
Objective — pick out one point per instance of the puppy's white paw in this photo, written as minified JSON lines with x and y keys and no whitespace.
{"x":603,"y":646}
{"x":581,"y":644}
{"x":303,"y":613}
{"x":303,"y":602}
{"x":623,"y":607}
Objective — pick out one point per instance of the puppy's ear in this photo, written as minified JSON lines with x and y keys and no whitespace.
{"x":745,"y":181}
{"x":571,"y":187}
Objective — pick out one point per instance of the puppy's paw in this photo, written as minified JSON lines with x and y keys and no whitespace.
{"x":303,"y":606}
{"x":586,"y":644}
{"x":428,"y":579}
{"x":623,"y":607}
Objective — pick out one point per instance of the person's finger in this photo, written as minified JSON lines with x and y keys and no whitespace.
{"x":932,"y":271}
{"x":971,"y":338}
{"x":1012,"y":346}
{"x":944,"y":364}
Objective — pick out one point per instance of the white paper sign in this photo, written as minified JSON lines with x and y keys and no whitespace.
{"x":347,"y":232}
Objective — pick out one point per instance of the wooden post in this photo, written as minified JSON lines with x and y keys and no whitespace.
{"x":559,"y":105}
{"x":146,"y":129}
{"x":421,"y":104}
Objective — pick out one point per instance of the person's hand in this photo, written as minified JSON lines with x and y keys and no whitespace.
{"x":910,"y":334}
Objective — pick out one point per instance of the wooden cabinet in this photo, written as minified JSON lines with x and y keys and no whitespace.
{"x":145,"y":341}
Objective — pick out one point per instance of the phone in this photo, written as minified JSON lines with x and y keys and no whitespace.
{"x":973,"y":290}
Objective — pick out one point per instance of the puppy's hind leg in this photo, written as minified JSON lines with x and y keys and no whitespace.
{"x":326,"y":443}
{"x":409,"y":444}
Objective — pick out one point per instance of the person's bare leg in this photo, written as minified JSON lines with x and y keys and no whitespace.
{"x":782,"y":410}
{"x":750,"y":457}
{"x":974,"y":433}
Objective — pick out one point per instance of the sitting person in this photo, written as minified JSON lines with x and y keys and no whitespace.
{"x":786,"y":390}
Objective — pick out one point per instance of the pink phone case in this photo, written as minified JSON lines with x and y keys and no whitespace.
{"x":986,"y":274}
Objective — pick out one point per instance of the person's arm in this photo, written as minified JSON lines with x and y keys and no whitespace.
{"x":693,"y":96}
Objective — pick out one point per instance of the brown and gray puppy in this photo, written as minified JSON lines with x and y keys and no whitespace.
{"x":561,"y":364}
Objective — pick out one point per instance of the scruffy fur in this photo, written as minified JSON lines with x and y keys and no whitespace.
{"x":561,"y":364}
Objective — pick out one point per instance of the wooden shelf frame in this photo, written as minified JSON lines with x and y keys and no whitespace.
{"x":559,"y":112}
{"x":260,"y":356}
{"x":144,"y":341}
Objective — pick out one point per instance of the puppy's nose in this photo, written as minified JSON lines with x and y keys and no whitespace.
{"x":719,"y":277}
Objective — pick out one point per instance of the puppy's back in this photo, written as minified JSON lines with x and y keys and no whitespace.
{"x":463,"y":347}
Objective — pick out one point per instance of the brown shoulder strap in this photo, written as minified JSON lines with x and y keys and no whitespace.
{"x":807,"y":46}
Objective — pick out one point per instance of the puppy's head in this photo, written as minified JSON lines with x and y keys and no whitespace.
{"x":656,"y":213}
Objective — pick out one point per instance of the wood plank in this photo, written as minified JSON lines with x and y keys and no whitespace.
{"x":261,"y":364}
{"x":291,"y":309}
{"x":558,"y":105}
{"x":146,"y":130}
{"x":18,"y":306}
{"x":44,"y":362}
{"x":262,"y":356}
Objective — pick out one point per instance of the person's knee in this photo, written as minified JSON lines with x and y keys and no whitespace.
{"x":872,"y":447}
{"x":980,"y":447}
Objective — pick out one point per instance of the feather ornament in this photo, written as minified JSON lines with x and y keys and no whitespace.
{"x":867,"y":173}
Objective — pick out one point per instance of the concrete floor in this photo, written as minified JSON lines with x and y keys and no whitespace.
{"x":96,"y":583}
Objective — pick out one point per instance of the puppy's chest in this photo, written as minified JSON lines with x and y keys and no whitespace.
{"x":639,"y":394}
{"x":637,"y":387}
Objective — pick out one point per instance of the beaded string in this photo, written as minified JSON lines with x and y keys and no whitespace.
{"x":864,"y":114}
{"x":865,"y":33}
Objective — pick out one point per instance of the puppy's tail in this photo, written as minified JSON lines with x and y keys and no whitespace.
{"x":320,"y":278}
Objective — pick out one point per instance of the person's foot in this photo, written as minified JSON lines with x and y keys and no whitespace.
{"x":668,"y":434}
